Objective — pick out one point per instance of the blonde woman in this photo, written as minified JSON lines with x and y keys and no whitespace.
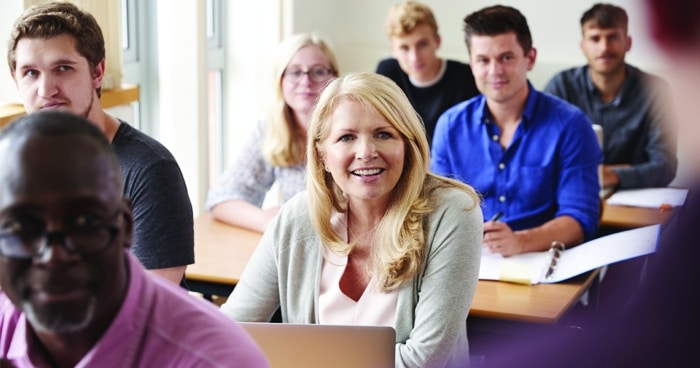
{"x":376,"y":239}
{"x":275,"y":152}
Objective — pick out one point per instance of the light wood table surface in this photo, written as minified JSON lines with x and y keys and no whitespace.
{"x":542,"y":303}
{"x":221,"y":253}
{"x":630,"y":217}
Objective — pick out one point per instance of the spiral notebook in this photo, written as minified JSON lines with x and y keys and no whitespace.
{"x":557,"y":265}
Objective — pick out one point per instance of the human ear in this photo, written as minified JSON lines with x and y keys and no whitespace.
{"x":127,"y":216}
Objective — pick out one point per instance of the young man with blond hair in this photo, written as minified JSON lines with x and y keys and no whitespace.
{"x":431,"y":83}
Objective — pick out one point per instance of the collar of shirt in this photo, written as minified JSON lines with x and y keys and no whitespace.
{"x":484,"y":116}
{"x":626,"y":85}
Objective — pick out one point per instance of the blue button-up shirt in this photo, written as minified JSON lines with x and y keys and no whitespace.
{"x":550,"y":168}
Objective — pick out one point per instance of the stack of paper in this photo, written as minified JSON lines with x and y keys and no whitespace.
{"x":649,"y":197}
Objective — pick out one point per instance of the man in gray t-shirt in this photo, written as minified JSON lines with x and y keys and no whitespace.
{"x":56,"y":56}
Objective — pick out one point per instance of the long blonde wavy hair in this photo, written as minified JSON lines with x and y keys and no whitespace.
{"x":400,"y":250}
{"x":281,"y":144}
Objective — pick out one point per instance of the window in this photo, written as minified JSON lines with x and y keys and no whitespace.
{"x":215,"y":77}
{"x":129,"y":30}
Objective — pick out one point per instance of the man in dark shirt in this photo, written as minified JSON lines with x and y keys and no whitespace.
{"x":432,"y":84}
{"x":639,"y":150}
{"x":56,"y":56}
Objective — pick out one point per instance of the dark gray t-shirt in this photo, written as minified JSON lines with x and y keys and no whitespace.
{"x":163,"y":221}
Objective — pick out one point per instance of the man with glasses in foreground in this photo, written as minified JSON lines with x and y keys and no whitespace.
{"x":71,"y":294}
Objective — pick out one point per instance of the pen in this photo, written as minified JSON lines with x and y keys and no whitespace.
{"x":496,"y":216}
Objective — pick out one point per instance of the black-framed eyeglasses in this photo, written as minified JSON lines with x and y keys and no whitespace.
{"x":317,"y":74}
{"x":81,"y":239}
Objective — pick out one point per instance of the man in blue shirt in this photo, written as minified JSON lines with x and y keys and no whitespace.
{"x":533,"y":157}
{"x":639,"y":150}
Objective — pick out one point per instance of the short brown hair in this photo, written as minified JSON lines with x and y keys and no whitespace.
{"x":496,"y":20}
{"x":55,"y":18}
{"x":605,"y":16}
{"x":405,"y":16}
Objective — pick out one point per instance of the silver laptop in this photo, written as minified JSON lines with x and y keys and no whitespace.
{"x":310,"y":345}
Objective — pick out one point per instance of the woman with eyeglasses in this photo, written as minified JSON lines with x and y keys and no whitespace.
{"x":276,"y":150}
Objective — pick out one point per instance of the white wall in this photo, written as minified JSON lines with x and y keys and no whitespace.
{"x":355,"y":28}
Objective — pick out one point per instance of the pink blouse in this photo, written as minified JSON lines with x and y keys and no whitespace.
{"x":374,"y":308}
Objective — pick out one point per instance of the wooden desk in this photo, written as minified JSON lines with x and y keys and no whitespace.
{"x":629,"y":217}
{"x":110,"y":98}
{"x":221,"y":252}
{"x":542,"y":303}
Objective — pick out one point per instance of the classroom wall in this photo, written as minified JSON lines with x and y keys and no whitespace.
{"x":356,"y":29}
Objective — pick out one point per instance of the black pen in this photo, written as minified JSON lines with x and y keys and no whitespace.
{"x":496,"y":216}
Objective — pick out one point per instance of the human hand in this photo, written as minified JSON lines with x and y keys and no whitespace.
{"x":610,"y":178}
{"x":500,"y":238}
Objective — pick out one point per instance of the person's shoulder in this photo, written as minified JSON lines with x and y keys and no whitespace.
{"x":458,"y":65}
{"x":132,"y":143}
{"x":9,"y":314}
{"x":572,"y":72}
{"x":636,"y":72}
{"x":464,"y":107}
{"x":459,"y":70}
{"x":650,"y":81}
{"x":559,"y":110}
{"x":202,"y":331}
{"x":299,"y":202}
{"x":294,"y":218}
{"x":388,"y":67}
{"x":556,"y":104}
{"x":388,"y":62}
{"x":569,"y":77}
{"x":456,"y":206}
{"x":453,"y":196}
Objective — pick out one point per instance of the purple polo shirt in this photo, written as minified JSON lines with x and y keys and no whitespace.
{"x":158,"y":325}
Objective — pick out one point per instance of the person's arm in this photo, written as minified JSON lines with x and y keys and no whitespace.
{"x":256,"y":295}
{"x":244,"y":214}
{"x":239,"y":193}
{"x":610,"y":177}
{"x":163,"y":221}
{"x":446,"y":287}
{"x":577,"y":196}
{"x":500,"y":238}
{"x":173,"y":274}
{"x":659,"y":169}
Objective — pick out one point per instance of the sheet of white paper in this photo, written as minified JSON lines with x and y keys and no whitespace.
{"x":577,"y":260}
{"x":606,"y":250}
{"x":649,"y":197}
